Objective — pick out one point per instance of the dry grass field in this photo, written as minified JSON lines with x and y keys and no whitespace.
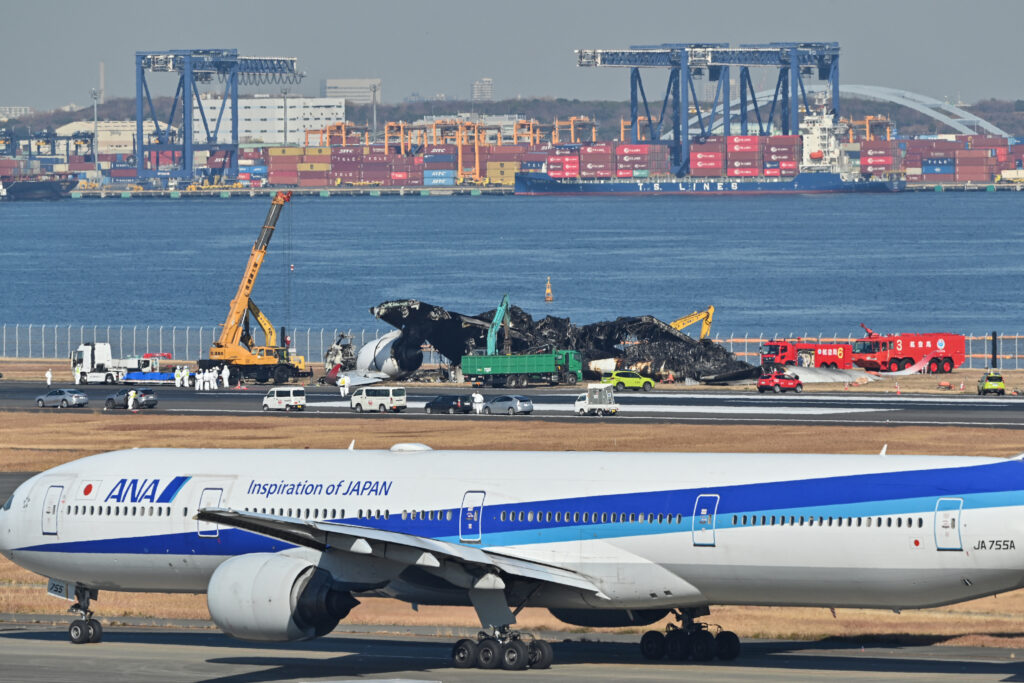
{"x":36,"y":441}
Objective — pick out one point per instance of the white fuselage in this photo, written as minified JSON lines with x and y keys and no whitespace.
{"x":649,"y":529}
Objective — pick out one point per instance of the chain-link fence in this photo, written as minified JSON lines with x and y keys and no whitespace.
{"x":192,"y":343}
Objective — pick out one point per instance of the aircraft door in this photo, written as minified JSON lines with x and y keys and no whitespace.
{"x":210,"y":498}
{"x":948,"y":512}
{"x":51,"y":508}
{"x":704,"y":511}
{"x":470,"y":517}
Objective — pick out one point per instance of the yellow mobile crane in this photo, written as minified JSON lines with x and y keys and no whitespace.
{"x":704,"y":316}
{"x":236,"y":347}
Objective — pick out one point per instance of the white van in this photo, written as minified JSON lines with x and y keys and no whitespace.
{"x":285,"y":398}
{"x":381,"y":399}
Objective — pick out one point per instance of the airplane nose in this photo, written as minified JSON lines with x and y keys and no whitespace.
{"x":7,"y":527}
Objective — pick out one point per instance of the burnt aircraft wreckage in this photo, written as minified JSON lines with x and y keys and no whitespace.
{"x":643,"y":343}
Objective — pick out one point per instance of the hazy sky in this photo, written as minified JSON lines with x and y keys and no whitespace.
{"x":51,"y":50}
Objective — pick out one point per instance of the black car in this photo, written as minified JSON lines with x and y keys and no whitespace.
{"x":144,"y":398}
{"x":449,"y":404}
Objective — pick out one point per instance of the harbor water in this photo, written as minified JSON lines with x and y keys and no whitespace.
{"x":791,"y":265}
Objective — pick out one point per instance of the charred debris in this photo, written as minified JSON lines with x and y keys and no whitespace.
{"x":641,"y":343}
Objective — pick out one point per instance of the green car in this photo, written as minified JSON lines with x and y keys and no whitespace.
{"x":991,"y":383}
{"x":622,"y":379}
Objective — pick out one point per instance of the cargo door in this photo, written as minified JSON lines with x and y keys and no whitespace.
{"x":470,"y":517}
{"x":51,"y":509}
{"x":704,"y":511}
{"x":210,"y":498}
{"x":947,"y":523}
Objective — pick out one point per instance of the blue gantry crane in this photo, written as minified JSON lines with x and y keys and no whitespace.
{"x":794,"y":61}
{"x":194,"y":67}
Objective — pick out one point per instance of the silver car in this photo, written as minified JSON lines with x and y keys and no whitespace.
{"x":62,"y":398}
{"x":513,"y":405}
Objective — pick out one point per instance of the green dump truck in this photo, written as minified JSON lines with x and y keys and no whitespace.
{"x":496,"y":370}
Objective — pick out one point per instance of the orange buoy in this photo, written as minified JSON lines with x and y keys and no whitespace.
{"x":548,"y":297}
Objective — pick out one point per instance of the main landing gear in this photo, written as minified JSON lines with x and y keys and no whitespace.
{"x":690,"y":640}
{"x":504,"y":649}
{"x":85,"y":629}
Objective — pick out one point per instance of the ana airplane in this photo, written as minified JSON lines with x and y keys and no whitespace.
{"x":285,"y":543}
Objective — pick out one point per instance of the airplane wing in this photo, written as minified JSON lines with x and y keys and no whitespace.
{"x":414,"y":550}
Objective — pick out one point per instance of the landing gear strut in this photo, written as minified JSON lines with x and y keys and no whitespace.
{"x":690,"y":640}
{"x":84,"y":629}
{"x":503,"y":648}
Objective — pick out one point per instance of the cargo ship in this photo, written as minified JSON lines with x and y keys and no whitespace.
{"x":17,"y":188}
{"x":809,"y":163}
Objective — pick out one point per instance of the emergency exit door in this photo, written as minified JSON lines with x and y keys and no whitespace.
{"x":210,"y":498}
{"x":470,"y":517}
{"x":947,"y":523}
{"x":51,"y":508}
{"x":704,"y":511}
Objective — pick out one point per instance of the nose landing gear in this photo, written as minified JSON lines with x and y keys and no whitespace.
{"x":84,"y":629}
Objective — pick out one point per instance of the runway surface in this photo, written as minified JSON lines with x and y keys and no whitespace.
{"x":698,"y":407}
{"x":34,"y":653}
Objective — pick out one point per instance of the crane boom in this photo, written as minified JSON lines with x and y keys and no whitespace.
{"x":501,"y":317}
{"x":231,"y":333}
{"x":705,"y":316}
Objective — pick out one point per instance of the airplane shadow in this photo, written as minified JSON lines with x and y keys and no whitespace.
{"x":343,"y":656}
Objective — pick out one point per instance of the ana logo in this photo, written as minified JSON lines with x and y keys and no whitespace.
{"x":145,"y":490}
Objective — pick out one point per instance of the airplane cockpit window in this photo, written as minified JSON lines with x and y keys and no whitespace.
{"x":7,"y":503}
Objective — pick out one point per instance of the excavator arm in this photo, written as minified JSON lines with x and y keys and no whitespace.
{"x":705,"y":316}
{"x":231,"y":334}
{"x":501,"y":317}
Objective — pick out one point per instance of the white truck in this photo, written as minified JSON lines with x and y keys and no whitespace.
{"x":94,"y":364}
{"x":598,"y":400}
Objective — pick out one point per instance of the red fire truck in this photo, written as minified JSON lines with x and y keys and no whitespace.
{"x":892,"y":352}
{"x":807,"y":354}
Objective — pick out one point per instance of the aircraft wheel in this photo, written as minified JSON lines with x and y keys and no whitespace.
{"x":677,"y":645}
{"x":488,"y":654}
{"x":652,"y":645}
{"x":727,"y":646}
{"x":78,"y":632}
{"x":515,"y":655}
{"x":464,"y":654}
{"x":541,"y":654}
{"x":95,"y":629}
{"x":702,"y":646}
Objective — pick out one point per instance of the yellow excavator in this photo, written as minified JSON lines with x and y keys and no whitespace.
{"x":236,"y":348}
{"x":704,"y":317}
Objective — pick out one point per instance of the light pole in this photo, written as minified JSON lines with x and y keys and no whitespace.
{"x":284,"y":93}
{"x":95,"y":94}
{"x":373,"y":100}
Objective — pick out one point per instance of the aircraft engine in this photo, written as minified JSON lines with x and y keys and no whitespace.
{"x":608,"y":618}
{"x":391,"y":355}
{"x":263,"y":596}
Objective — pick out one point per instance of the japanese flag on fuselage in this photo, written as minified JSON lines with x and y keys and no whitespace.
{"x":89,"y":490}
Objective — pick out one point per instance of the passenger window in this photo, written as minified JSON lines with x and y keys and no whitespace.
{"x":586,"y":516}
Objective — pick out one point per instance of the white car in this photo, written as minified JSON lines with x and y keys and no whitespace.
{"x":285,"y":398}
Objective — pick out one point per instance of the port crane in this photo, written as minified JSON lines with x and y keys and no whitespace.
{"x":236,"y":346}
{"x":705,"y":317}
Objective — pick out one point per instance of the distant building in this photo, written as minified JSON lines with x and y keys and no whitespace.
{"x":113,"y":137}
{"x":10,"y":112}
{"x":482,"y":90}
{"x":353,"y":90}
{"x":264,"y":119}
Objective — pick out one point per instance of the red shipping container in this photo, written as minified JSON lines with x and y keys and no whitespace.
{"x":787,"y":172}
{"x":742,"y":139}
{"x":772,"y":172}
{"x":875,"y":169}
{"x":632,"y":149}
{"x":631,"y":158}
{"x":744,"y":163}
{"x":590,"y":166}
{"x":603,"y":148}
{"x":788,"y":165}
{"x":746,"y":155}
{"x":706,"y":156}
{"x":705,"y":164}
{"x":283,"y":178}
{"x":744,"y":147}
{"x":743,"y":172}
{"x":637,"y":165}
{"x":780,"y":156}
{"x":623,"y":173}
{"x":564,"y":152}
{"x":875,"y":149}
{"x":399,"y":175}
{"x":783,"y":139}
{"x":876,"y":160}
{"x":122,"y":172}
{"x":707,"y":173}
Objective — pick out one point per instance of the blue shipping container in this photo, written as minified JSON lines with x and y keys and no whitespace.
{"x":438,"y":173}
{"x":439,"y":158}
{"x":256,"y":169}
{"x":438,"y":181}
{"x":771,"y":164}
{"x":933,"y":169}
{"x":531,"y":165}
{"x":939,"y":161}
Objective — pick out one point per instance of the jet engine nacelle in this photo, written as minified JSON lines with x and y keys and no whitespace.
{"x":608,"y":618}
{"x":389,"y":356}
{"x":263,"y":596}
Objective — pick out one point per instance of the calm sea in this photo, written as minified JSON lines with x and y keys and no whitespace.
{"x":787,"y":265}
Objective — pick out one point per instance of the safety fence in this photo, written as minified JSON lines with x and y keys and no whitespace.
{"x":192,"y":343}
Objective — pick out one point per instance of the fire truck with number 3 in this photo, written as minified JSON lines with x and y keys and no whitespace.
{"x":807,"y":354}
{"x":891,"y":352}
